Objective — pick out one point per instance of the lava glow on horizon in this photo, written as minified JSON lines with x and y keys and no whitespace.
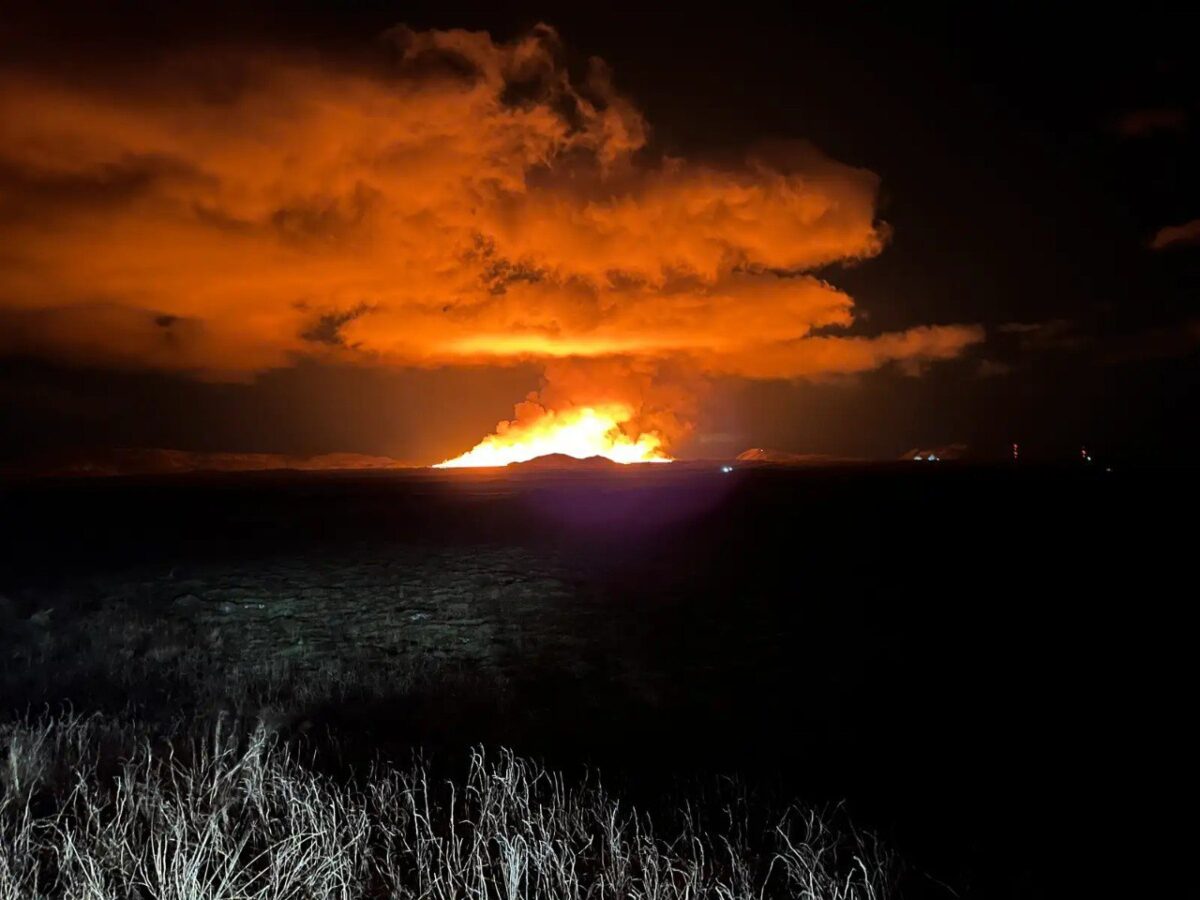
{"x":580,"y":432}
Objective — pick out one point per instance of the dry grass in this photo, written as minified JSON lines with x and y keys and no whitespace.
{"x":110,"y":807}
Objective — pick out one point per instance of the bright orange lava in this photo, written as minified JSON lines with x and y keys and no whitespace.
{"x":580,"y":432}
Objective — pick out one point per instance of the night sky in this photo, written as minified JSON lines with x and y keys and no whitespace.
{"x":1027,"y":269}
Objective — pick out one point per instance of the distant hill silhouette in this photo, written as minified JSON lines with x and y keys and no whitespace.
{"x":156,"y":461}
{"x":783,"y":457}
{"x":946,"y":452}
{"x":563,"y":461}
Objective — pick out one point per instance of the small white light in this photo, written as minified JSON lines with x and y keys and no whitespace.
{"x":726,"y":469}
{"x":918,"y":458}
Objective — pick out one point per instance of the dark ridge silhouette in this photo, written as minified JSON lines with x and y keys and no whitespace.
{"x":563,"y":461}
{"x":784,"y":457}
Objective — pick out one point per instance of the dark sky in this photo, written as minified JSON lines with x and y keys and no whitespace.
{"x":1027,"y":163}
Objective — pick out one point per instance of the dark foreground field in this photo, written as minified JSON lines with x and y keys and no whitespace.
{"x":983,"y":667}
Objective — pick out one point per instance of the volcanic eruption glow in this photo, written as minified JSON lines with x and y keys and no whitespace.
{"x":452,"y":201}
{"x":580,"y":432}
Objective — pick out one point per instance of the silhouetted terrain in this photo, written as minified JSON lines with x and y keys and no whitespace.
{"x":974,"y":659}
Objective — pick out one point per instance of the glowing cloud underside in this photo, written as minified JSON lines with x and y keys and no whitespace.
{"x":581,"y":432}
{"x":447,"y":200}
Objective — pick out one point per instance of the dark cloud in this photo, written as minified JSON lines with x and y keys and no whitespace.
{"x":101,"y":333}
{"x":993,"y":368}
{"x":326,"y":218}
{"x":1089,"y":347}
{"x":1174,"y":341}
{"x":33,"y":189}
{"x":1176,"y":235}
{"x":1040,"y":337}
{"x":328,"y":327}
{"x":1142,"y":122}
{"x":497,"y":272}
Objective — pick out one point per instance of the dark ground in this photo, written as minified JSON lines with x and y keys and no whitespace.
{"x":985,"y":664}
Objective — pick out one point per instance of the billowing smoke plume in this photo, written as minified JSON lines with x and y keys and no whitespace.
{"x":453,"y":200}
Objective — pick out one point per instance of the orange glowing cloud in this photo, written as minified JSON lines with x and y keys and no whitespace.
{"x":451,"y":200}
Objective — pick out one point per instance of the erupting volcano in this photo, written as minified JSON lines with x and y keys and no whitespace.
{"x":581,"y":433}
{"x":454,"y":202}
